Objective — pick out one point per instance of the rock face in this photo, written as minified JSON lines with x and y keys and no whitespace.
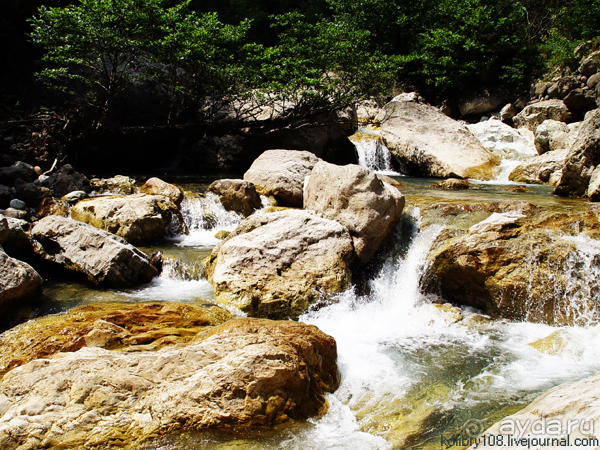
{"x":524,"y":263}
{"x":237,"y":195}
{"x":534,"y":114}
{"x":276,"y":264}
{"x":123,"y":326}
{"x":578,"y":177}
{"x":546,"y":168}
{"x":428,"y":143}
{"x":156,"y":186}
{"x":246,"y":372}
{"x":102,"y":257}
{"x":137,"y":218}
{"x":563,"y":416}
{"x":354,"y":196}
{"x":18,"y":281}
{"x":281,"y":173}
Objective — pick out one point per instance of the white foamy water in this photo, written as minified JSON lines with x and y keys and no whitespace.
{"x":512,"y":146}
{"x":371,"y":151}
{"x":395,"y":348}
{"x":204,"y":217}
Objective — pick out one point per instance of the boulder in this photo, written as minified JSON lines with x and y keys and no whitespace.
{"x":114,"y":326}
{"x":354,"y":196}
{"x":281,"y":173}
{"x":277,"y":264}
{"x":564,"y":416}
{"x":66,"y":180}
{"x":588,"y":67}
{"x":563,"y":86}
{"x":546,"y":168}
{"x":580,"y":99}
{"x":237,"y":195}
{"x":156,"y":186}
{"x":481,"y":102}
{"x":18,"y":281}
{"x":31,"y":193}
{"x":17,"y":242}
{"x":552,"y":135}
{"x":524,"y":263}
{"x":244,"y":373}
{"x":582,"y":159}
{"x":119,"y":184}
{"x":6,"y":195}
{"x":19,"y":170}
{"x":534,"y":114}
{"x":427,"y":143}
{"x":137,"y":218}
{"x":105,"y":259}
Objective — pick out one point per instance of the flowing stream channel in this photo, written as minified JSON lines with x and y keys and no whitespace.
{"x":413,"y":373}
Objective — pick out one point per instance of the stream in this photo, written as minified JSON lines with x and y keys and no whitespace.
{"x":413,"y":373}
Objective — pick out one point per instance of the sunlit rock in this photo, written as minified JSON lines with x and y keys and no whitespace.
{"x":246,"y":372}
{"x":536,"y":113}
{"x":354,"y":196}
{"x":277,"y":264}
{"x":281,"y":173}
{"x":156,"y":186}
{"x":237,"y":195}
{"x":100,"y":256}
{"x":18,"y":282}
{"x":425,"y":142}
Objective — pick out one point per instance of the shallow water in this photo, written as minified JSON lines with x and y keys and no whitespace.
{"x":412,"y":372}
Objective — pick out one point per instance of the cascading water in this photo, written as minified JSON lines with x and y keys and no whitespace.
{"x":372,"y":153}
{"x":511,"y":146}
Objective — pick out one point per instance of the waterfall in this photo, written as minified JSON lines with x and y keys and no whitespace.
{"x":372,"y":152}
{"x":511,"y":146}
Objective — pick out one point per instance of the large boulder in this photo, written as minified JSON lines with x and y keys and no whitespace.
{"x":428,"y":143}
{"x":237,"y":195}
{"x":582,"y":160}
{"x":552,"y":135}
{"x":156,"y":186}
{"x":521,"y":263}
{"x":546,"y":168}
{"x":565,"y":416}
{"x":18,"y":281}
{"x":277,"y":264}
{"x":66,"y":180}
{"x":481,"y":102}
{"x":534,"y":114}
{"x":358,"y":199}
{"x":281,"y":173}
{"x":137,"y":218}
{"x":17,"y":242}
{"x":105,"y":259}
{"x":244,"y":373}
{"x":113,"y":326}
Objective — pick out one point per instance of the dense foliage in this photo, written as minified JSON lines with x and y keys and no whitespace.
{"x":216,"y":58}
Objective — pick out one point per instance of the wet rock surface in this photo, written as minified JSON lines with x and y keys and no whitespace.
{"x":246,"y":372}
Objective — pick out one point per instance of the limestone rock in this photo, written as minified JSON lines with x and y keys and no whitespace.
{"x":428,"y":143}
{"x":66,"y":180}
{"x":124,"y":326}
{"x":156,"y":186}
{"x":544,"y":423}
{"x":237,"y":195}
{"x":137,"y":218}
{"x":246,"y":372}
{"x":99,"y":255}
{"x":534,"y":114}
{"x":552,"y":135}
{"x":546,"y":168}
{"x":281,"y":173}
{"x":583,"y":158}
{"x":276,"y":265}
{"x":18,"y":281}
{"x":119,"y":184}
{"x":354,"y":196}
{"x":506,"y":265}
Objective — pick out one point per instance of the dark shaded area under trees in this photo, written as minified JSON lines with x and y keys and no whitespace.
{"x":205,"y":68}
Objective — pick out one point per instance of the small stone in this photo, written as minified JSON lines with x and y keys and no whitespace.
{"x":18,"y":204}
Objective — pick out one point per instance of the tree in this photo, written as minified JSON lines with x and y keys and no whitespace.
{"x":102,"y":44}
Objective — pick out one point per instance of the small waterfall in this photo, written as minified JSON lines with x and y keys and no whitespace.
{"x":204,"y":216}
{"x":372,"y":153}
{"x":511,"y":146}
